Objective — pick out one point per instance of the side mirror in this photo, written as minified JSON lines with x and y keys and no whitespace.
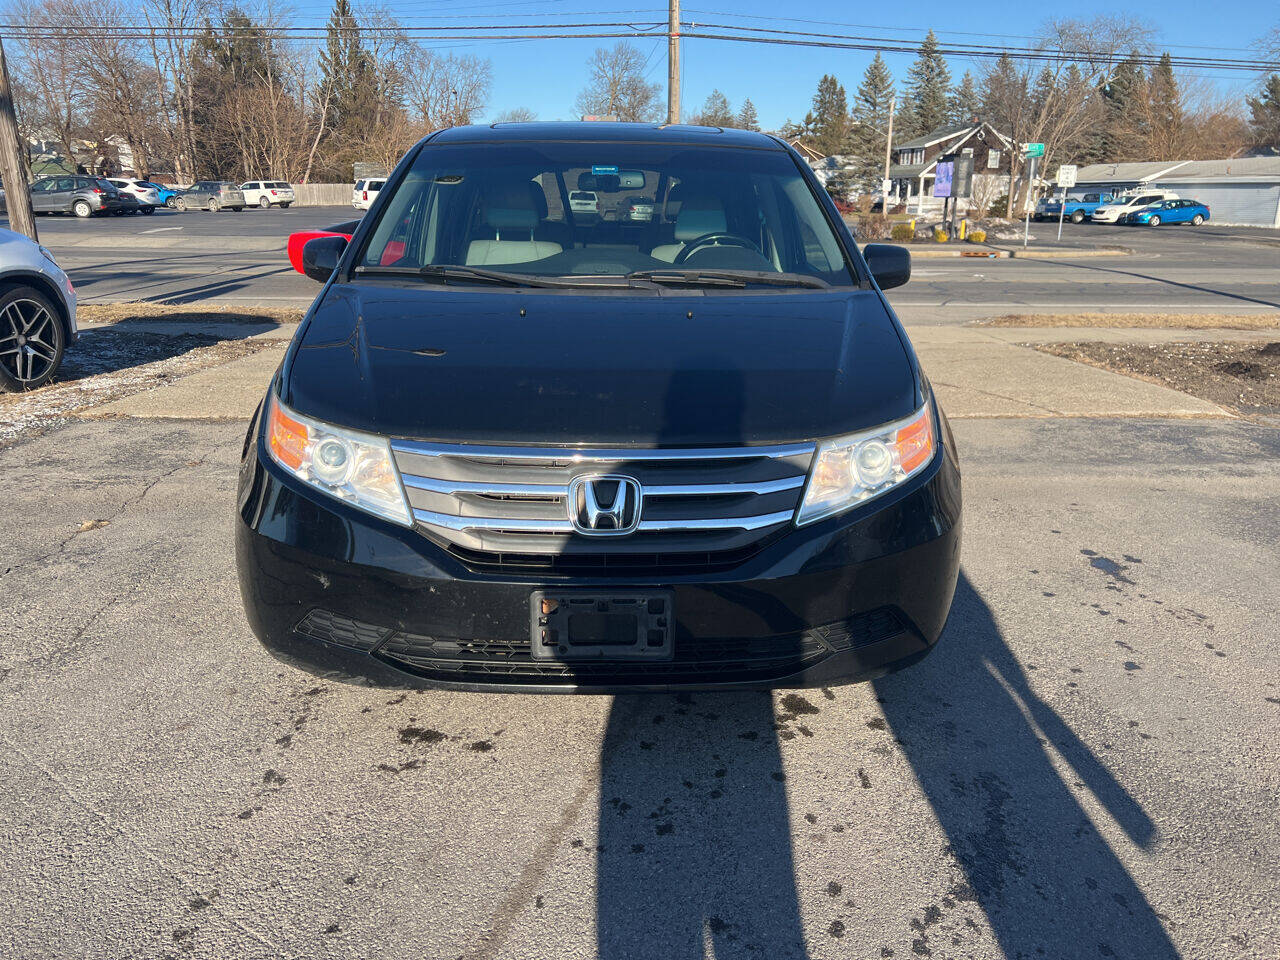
{"x":320,"y":256}
{"x":890,"y":265}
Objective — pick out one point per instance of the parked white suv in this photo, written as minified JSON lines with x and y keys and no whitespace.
{"x":366,"y":191}
{"x":264,"y":193}
{"x":1122,"y":206}
{"x":143,"y":191}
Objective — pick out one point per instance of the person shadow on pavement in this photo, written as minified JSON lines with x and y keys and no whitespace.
{"x":694,"y":842}
{"x":979,"y":739}
{"x":694,"y":857}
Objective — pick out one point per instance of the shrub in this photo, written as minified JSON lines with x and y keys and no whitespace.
{"x":940,"y":235}
{"x":977,"y":235}
{"x":872,"y":226}
{"x":902,"y":232}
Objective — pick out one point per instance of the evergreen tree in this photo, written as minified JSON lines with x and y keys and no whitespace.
{"x":1264,"y":113}
{"x":1164,"y":111}
{"x":965,"y":104}
{"x":715,"y":112}
{"x":827,"y":123}
{"x":1043,"y":91}
{"x":1003,"y":98}
{"x":347,"y":72}
{"x":929,"y":87}
{"x":1122,"y":126}
{"x":747,"y":118}
{"x":871,"y":107}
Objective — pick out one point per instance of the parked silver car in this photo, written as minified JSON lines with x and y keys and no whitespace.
{"x":81,"y":195}
{"x":37,"y":313}
{"x":212,"y":195}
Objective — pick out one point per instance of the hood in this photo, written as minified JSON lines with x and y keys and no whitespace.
{"x":473,"y":365}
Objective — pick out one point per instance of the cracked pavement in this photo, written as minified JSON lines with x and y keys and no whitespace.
{"x":1086,"y":766}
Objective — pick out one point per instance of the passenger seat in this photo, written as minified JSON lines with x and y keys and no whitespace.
{"x":510,"y":213}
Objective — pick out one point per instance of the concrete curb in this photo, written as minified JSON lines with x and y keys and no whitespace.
{"x":981,"y":251}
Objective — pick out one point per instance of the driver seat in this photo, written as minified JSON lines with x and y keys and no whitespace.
{"x":698,"y":216}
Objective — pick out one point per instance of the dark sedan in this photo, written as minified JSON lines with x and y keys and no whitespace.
{"x":514,"y":449}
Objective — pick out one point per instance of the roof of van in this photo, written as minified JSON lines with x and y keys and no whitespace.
{"x":604,"y":131}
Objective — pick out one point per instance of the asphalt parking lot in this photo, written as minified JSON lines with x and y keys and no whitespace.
{"x":1086,"y":766}
{"x":239,"y":258}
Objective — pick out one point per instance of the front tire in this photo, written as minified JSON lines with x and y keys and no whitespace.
{"x":1197,"y":220}
{"x":1154,"y":221}
{"x":82,"y":209}
{"x":285,"y":205}
{"x":32,"y":340}
{"x":264,"y":203}
{"x":180,"y":204}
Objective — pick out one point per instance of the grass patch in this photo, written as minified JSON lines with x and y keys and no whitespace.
{"x":1161,"y":321}
{"x":185,"y":313}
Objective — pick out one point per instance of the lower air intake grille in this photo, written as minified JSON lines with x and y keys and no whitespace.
{"x":510,"y":661}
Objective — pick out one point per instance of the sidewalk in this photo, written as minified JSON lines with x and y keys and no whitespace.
{"x":977,"y":372}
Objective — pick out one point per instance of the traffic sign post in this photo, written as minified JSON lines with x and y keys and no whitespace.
{"x":1033,"y":168}
{"x":1066,"y":179}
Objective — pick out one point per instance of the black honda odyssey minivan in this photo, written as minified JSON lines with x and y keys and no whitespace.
{"x":514,"y":445}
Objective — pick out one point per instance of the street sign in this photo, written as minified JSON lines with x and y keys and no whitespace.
{"x":1033,"y":149}
{"x":1067,"y":175}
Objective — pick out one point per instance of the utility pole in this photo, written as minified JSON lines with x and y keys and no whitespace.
{"x":17,"y":192}
{"x":888,"y":147}
{"x":673,"y":61}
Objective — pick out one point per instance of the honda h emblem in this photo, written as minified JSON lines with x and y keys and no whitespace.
{"x":605,"y":505}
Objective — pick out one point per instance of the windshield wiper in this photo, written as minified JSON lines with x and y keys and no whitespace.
{"x":458,"y":272}
{"x":728,"y":278}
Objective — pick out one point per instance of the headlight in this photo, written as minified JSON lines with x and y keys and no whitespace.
{"x":851,"y":470}
{"x":353,"y":467}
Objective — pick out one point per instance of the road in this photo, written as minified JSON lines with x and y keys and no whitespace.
{"x":240,"y":258}
{"x":1085,"y":767}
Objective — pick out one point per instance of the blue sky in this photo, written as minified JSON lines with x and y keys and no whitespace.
{"x":546,"y":75}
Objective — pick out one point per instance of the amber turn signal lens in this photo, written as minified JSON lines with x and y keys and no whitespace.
{"x":288,"y":437}
{"x":915,"y":441}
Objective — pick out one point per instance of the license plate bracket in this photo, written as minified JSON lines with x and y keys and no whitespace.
{"x":583,"y":625}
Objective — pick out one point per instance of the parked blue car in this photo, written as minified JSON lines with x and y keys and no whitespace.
{"x":167,"y":194}
{"x":1170,"y":211}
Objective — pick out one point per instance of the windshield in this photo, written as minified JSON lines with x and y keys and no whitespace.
{"x":654,"y":207}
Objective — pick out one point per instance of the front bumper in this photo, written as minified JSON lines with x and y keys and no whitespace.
{"x":343,"y":594}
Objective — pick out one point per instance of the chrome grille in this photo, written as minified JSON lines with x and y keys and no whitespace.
{"x":514,"y":500}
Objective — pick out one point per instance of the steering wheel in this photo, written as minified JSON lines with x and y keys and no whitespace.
{"x":715,"y":239}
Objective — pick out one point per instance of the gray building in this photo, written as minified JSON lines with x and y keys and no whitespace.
{"x":1244,"y":191}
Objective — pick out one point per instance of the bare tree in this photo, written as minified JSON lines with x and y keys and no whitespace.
{"x":55,"y":96}
{"x":616,"y":86}
{"x":446,"y":91}
{"x":1055,"y":101}
{"x":516,"y":115}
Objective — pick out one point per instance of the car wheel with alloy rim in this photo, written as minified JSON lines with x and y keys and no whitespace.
{"x":1197,"y":220}
{"x":263,"y":202}
{"x":32,"y":339}
{"x":82,"y":209}
{"x":179,"y":204}
{"x":1154,"y":221}
{"x":1078,"y":217}
{"x":213,"y":205}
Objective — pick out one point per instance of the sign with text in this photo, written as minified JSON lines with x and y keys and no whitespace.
{"x":1033,"y":149}
{"x":1067,"y":175}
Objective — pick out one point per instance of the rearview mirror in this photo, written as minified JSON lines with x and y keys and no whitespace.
{"x":890,"y":265}
{"x":320,"y":257}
